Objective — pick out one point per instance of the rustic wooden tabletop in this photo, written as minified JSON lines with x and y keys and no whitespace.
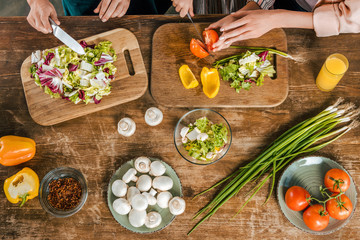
{"x":92,"y":144}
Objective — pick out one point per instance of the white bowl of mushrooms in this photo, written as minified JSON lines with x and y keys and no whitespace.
{"x":145,"y":195}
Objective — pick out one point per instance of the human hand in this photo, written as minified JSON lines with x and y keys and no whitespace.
{"x":184,"y":7}
{"x":243,"y":25}
{"x":112,"y":8}
{"x":40,"y":11}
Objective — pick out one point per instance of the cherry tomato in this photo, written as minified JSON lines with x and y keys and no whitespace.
{"x":316,"y":218}
{"x":198,"y":48}
{"x":337,"y":212}
{"x":210,"y":37}
{"x":337,"y":175}
{"x":295,"y":198}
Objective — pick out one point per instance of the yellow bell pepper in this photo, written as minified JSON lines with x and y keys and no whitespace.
{"x":210,"y":81}
{"x":22,"y":186}
{"x":187,"y":78}
{"x":15,"y":150}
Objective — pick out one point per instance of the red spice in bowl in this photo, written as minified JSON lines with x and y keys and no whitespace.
{"x":64,"y":193}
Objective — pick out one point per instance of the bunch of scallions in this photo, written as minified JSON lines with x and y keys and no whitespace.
{"x":306,"y":137}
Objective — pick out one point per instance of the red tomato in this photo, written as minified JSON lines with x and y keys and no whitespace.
{"x":339,"y":213}
{"x":210,"y":37}
{"x":295,"y":198}
{"x":337,"y":175}
{"x":198,"y":48}
{"x":316,"y":218}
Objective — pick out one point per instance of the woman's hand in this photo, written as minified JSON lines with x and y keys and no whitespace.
{"x":112,"y":8}
{"x":40,"y":11}
{"x":243,"y":25}
{"x":184,"y":7}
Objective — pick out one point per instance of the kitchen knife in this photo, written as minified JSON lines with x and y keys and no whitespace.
{"x":66,"y":38}
{"x":197,"y":31}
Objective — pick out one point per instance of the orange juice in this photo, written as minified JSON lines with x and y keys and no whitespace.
{"x":331,"y":72}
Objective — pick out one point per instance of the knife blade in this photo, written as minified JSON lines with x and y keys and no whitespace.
{"x":197,"y":31}
{"x":66,"y":38}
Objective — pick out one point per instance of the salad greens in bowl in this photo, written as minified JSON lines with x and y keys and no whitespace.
{"x":202,"y":136}
{"x":61,"y":72}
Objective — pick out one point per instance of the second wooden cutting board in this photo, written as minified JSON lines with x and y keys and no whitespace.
{"x":171,"y":49}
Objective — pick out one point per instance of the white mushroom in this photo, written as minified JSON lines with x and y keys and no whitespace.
{"x":163,"y":183}
{"x":144,"y":183}
{"x":126,"y":127}
{"x":142,"y":164}
{"x":177,"y":205}
{"x":119,"y":188}
{"x":137,"y":218}
{"x":153,"y":192}
{"x":130,"y":176}
{"x":157,"y":168}
{"x":139,"y":202}
{"x":153,"y":116}
{"x":132,"y":191}
{"x":163,"y":199}
{"x":153,"y":219}
{"x":121,"y":206}
{"x":150,"y":198}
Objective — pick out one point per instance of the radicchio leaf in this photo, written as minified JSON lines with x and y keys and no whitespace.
{"x":85,"y":45}
{"x":105,"y":58}
{"x":107,"y":70}
{"x":96,"y":101}
{"x":72,"y":67}
{"x":249,"y":80}
{"x":81,"y":95}
{"x":48,"y":58}
{"x":263,"y":55}
{"x":52,"y":79}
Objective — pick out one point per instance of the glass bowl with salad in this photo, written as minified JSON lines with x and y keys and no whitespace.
{"x":202,"y":136}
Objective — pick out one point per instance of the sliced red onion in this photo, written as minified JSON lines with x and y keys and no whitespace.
{"x":105,"y":58}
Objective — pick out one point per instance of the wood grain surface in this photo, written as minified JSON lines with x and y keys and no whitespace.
{"x":92,"y":145}
{"x":125,"y":87}
{"x":171,"y":50}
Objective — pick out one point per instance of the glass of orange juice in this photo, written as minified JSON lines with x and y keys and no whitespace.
{"x":331,"y":72}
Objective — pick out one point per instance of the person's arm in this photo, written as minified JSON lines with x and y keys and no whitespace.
{"x":335,"y":18}
{"x":112,"y":8}
{"x":255,"y":23}
{"x":40,"y":11}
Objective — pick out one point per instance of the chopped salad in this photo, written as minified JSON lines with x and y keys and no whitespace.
{"x":61,"y":72}
{"x":247,"y":68}
{"x":204,"y":140}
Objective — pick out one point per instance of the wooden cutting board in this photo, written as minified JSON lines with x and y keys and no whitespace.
{"x":171,"y":50}
{"x":125,"y":87}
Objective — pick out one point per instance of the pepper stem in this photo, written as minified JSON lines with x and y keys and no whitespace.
{"x":23,"y":197}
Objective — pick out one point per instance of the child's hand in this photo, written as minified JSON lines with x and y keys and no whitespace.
{"x":112,"y":8}
{"x":243,"y":25}
{"x":184,"y":7}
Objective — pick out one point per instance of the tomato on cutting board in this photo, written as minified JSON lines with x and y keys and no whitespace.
{"x":295,"y":198}
{"x":316,"y":218}
{"x":198,"y":48}
{"x":210,"y":37}
{"x":335,"y":177}
{"x":201,"y":50}
{"x":339,"y":212}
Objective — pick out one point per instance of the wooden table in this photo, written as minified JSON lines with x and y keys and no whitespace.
{"x":92,"y":144}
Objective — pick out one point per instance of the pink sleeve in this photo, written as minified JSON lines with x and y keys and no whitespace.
{"x":335,"y":18}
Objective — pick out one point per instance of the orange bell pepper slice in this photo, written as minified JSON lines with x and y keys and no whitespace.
{"x":15,"y":150}
{"x":211,"y":81}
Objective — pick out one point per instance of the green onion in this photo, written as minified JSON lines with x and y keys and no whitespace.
{"x":306,"y":137}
